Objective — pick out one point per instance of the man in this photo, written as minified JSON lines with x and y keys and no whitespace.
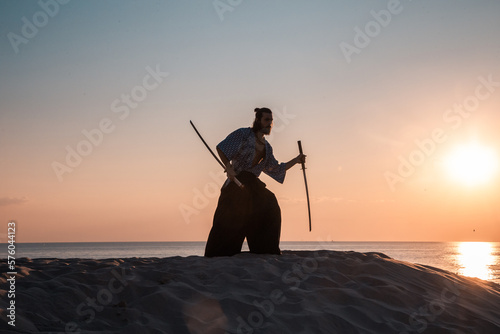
{"x":252,"y":211}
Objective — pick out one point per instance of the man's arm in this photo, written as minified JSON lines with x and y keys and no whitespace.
{"x":301,"y":158}
{"x":229,"y":168}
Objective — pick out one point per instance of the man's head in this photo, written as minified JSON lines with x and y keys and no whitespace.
{"x":263,"y":121}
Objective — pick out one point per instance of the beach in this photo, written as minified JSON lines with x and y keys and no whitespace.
{"x":297,"y":292}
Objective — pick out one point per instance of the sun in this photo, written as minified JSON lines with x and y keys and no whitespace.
{"x":472,"y":164}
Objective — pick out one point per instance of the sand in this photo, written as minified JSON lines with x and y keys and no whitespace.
{"x":297,"y":292}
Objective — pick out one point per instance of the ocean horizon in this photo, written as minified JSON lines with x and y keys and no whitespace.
{"x":473,"y":259}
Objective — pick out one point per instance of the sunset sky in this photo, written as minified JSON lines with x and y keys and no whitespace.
{"x":96,"y":98}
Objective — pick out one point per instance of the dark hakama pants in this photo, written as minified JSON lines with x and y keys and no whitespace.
{"x":252,"y":212}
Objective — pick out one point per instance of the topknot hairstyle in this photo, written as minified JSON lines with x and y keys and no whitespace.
{"x":258,"y":117}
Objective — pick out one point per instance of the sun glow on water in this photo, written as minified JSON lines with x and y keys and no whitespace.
{"x":476,"y":259}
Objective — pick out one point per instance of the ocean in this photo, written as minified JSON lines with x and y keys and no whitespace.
{"x":475,"y":259}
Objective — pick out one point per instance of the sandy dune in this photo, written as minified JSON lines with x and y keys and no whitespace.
{"x":297,"y":292}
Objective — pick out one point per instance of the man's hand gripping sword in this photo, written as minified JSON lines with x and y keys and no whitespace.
{"x":216,"y":158}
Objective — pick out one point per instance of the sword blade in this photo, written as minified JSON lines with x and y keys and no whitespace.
{"x":307,"y":189}
{"x":213,"y":154}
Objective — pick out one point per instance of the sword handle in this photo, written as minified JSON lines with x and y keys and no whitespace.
{"x":300,"y":151}
{"x":239,"y":183}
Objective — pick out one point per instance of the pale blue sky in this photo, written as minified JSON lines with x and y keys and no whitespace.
{"x":354,"y":119}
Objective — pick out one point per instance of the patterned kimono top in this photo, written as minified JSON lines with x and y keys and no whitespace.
{"x":239,"y":148}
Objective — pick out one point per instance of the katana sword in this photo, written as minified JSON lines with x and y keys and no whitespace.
{"x":216,"y":158}
{"x":307,"y":190}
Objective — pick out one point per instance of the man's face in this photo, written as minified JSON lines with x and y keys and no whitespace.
{"x":266,"y":123}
